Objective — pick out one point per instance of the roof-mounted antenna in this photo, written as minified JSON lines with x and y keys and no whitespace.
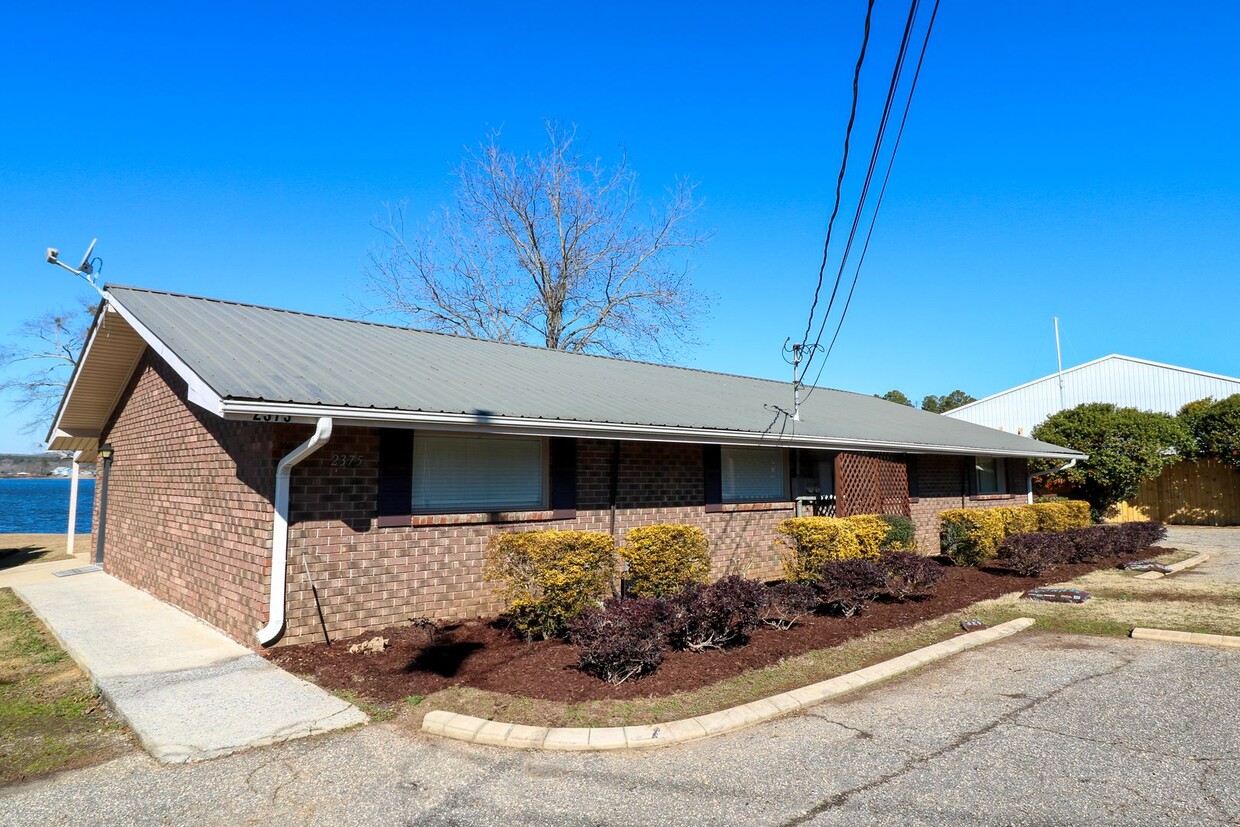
{"x":86,"y":269}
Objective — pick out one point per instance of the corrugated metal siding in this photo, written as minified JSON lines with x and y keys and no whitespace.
{"x":252,"y":353}
{"x":1121,"y":381}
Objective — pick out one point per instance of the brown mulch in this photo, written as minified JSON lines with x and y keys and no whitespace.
{"x":485,"y":655}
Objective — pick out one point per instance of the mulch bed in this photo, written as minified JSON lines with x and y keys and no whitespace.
{"x":485,"y":655}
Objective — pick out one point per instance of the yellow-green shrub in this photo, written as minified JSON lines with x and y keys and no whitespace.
{"x":1078,"y":511}
{"x":871,"y":531}
{"x":550,"y":577}
{"x":812,"y":541}
{"x":1055,"y":516}
{"x":1018,"y":519}
{"x":663,"y":558}
{"x":971,"y":535}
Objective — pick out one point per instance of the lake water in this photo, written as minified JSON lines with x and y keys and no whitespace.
{"x":41,"y":506}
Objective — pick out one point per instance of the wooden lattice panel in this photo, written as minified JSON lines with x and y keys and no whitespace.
{"x":870,"y":485}
{"x":893,"y":487}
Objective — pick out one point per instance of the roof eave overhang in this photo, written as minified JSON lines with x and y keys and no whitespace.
{"x":199,"y":392}
{"x":286,"y":412}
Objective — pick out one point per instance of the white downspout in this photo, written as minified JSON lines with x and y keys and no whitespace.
{"x":279,"y":529}
{"x":1070,"y":463}
{"x":73,"y":497}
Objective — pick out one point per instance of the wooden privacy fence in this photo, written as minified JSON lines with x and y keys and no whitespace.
{"x":1187,"y":493}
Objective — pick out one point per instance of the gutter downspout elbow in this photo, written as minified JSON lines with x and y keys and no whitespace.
{"x":1069,"y":464}
{"x":279,"y":529}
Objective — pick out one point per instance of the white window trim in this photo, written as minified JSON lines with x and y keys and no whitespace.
{"x":785,"y":495}
{"x":545,"y":482}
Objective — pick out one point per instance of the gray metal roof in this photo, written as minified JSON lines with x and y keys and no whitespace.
{"x":245,"y":352}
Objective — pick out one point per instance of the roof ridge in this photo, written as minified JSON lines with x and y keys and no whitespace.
{"x":108,"y":287}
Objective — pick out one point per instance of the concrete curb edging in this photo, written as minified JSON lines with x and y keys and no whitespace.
{"x":501,"y":734}
{"x":1180,"y":566}
{"x":1169,"y":636}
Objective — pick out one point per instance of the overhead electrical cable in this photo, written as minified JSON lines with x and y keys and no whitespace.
{"x":839,"y":181}
{"x":880,"y":137}
{"x":879,"y":202}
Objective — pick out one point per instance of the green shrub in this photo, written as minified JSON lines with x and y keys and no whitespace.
{"x":970,"y":536}
{"x":663,"y":559}
{"x":901,"y":533}
{"x":813,"y":541}
{"x":1125,"y":446}
{"x":550,"y":577}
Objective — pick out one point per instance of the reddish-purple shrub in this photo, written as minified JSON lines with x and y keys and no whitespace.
{"x":1031,"y":554}
{"x":786,"y":603}
{"x":1091,"y":544}
{"x":1138,"y":536}
{"x":624,"y":639}
{"x":909,"y":574}
{"x":711,"y":617}
{"x":849,"y":584}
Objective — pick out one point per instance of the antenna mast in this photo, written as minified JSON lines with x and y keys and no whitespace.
{"x":1059,"y":360}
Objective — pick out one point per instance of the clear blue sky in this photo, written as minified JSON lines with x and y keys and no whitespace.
{"x":1071,"y":159}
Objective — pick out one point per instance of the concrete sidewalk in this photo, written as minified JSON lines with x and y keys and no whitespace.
{"x":188,"y":692}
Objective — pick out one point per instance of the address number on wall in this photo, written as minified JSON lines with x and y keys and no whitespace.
{"x":272,"y":418}
{"x":346,"y":460}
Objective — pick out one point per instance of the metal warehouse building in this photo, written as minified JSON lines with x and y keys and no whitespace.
{"x":1121,"y":380}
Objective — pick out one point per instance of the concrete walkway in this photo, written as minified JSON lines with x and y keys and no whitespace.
{"x":188,"y":692}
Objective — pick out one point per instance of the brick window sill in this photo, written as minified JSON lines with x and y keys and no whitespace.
{"x":990,"y":497}
{"x":731,"y":508}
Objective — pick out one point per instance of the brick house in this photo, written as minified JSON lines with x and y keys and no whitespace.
{"x":373,"y":463}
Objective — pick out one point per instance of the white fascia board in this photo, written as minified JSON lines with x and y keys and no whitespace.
{"x":95,"y":327}
{"x":344,"y":417}
{"x":199,"y":392}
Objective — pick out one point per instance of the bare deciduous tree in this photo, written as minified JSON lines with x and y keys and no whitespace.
{"x":553,"y":249}
{"x":48,"y":348}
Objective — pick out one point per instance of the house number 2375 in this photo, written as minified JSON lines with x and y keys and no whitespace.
{"x":346,"y":460}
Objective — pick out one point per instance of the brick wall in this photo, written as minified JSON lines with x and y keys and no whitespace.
{"x":367,"y":578}
{"x":189,"y":503}
{"x":942,"y":483}
{"x":190,"y":510}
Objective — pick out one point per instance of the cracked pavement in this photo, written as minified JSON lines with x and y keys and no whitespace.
{"x":1038,"y":729}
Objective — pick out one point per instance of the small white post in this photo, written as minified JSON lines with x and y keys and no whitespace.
{"x":73,"y":498}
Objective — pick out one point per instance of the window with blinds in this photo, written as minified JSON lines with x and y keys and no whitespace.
{"x":753,"y":474}
{"x":991,"y":475}
{"x":478,"y":473}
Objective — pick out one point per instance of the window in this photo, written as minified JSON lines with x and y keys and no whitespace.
{"x":753,"y":474}
{"x":991,"y":475}
{"x":478,"y":473}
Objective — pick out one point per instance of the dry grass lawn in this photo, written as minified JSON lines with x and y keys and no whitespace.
{"x":50,"y":717}
{"x":19,"y":549}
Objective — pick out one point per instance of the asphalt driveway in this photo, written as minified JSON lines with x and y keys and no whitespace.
{"x":1037,"y":730}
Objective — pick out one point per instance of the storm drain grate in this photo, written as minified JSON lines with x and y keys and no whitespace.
{"x":78,"y":570}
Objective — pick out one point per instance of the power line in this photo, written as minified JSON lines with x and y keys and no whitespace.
{"x":879,"y":202}
{"x":839,"y":181}
{"x":880,"y":136}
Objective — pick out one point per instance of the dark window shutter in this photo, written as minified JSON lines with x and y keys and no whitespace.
{"x":914,"y":476}
{"x":395,"y":477}
{"x":1016,"y":469}
{"x":564,"y":478}
{"x":970,"y":476}
{"x":712,"y":473}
